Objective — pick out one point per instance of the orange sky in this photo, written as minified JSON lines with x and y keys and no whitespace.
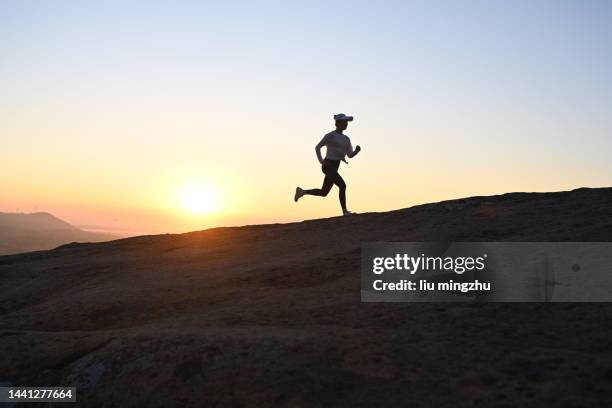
{"x":107,"y":117}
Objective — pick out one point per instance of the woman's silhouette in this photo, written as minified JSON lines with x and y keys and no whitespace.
{"x":338,"y":145}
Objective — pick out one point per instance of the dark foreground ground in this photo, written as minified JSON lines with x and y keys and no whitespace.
{"x":270,"y":315}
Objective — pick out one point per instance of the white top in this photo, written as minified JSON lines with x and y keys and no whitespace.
{"x":338,"y":145}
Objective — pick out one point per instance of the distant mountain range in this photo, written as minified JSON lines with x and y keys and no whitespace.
{"x":39,"y":231}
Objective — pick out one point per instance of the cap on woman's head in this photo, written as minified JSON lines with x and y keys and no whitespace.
{"x":342,"y":116}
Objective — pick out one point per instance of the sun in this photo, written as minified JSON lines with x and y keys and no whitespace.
{"x":199,"y":199}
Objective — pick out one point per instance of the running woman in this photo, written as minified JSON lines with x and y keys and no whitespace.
{"x":338,"y":145}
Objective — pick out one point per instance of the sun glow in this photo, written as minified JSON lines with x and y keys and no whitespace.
{"x":199,"y":199}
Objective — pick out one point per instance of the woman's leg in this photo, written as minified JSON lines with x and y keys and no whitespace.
{"x":342,"y":186}
{"x":330,"y":168}
{"x":331,"y":178}
{"x":324,"y":190}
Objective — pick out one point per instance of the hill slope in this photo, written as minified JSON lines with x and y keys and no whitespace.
{"x":38,"y":231}
{"x":271,"y":315}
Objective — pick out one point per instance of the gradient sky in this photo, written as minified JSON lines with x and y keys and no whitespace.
{"x":108,"y":109}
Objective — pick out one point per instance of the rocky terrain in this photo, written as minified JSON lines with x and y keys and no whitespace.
{"x":270,"y":315}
